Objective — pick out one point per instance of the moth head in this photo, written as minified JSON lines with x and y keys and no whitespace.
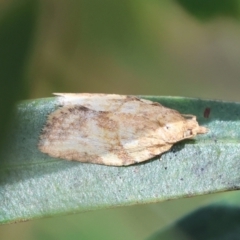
{"x":177,"y":127}
{"x":192,"y":127}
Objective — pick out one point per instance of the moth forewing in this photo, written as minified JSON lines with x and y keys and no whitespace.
{"x":113,"y":129}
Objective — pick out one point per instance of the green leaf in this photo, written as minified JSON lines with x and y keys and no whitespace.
{"x":209,"y":9}
{"x":219,"y":220}
{"x":212,"y":222}
{"x":35,"y":185}
{"x":16,"y":34}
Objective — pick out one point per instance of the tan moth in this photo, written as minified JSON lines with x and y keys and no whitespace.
{"x":113,"y":129}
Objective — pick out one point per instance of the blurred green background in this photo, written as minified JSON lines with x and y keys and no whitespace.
{"x":181,"y":47}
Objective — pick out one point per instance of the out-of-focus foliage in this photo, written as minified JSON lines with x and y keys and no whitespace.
{"x":209,"y":9}
{"x":219,"y":221}
{"x":17,"y":27}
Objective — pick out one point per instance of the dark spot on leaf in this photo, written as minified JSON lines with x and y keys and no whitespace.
{"x":207,"y":112}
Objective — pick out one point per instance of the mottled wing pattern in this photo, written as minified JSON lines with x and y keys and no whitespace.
{"x":110,"y":129}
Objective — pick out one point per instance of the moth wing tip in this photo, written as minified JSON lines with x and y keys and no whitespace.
{"x":58,"y":94}
{"x":64,"y":95}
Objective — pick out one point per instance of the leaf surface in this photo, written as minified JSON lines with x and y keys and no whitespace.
{"x":34,"y":185}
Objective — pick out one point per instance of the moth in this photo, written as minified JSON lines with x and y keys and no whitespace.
{"x":111,"y":129}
